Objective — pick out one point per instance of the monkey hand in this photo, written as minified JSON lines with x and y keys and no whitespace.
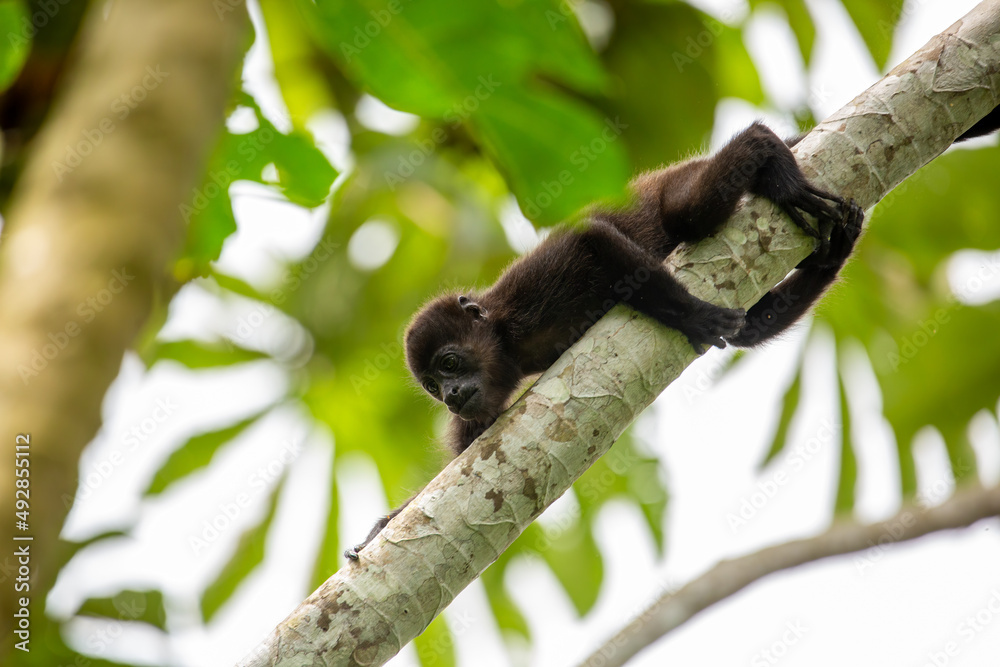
{"x":838,"y":247}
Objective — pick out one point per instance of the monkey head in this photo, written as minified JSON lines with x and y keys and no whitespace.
{"x":455,"y":352}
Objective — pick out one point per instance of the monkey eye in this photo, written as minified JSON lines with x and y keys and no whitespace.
{"x":431,"y":386}
{"x":450,"y":363}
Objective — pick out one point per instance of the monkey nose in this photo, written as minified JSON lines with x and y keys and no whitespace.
{"x":455,"y":398}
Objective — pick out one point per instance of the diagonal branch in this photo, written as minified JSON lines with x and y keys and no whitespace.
{"x":731,"y":576}
{"x":482,"y":501}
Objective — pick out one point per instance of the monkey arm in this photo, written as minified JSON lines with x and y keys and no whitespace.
{"x":634,"y":276}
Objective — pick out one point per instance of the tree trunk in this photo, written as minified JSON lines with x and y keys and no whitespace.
{"x":92,"y":228}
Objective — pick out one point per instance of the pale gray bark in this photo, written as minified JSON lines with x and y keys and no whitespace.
{"x":93,"y":226}
{"x":482,"y":501}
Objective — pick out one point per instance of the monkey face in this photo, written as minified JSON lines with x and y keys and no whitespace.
{"x":454,"y":377}
{"x":458,"y":358}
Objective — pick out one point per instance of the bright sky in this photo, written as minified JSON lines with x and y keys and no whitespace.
{"x":898,"y":607}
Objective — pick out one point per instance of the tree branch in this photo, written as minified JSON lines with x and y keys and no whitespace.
{"x":93,"y":226}
{"x":482,"y":501}
{"x":729,"y":577}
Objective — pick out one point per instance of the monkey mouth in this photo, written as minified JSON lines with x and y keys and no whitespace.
{"x":470,"y":410}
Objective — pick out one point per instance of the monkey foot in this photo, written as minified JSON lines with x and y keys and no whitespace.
{"x":711,"y":324}
{"x":827,"y":208}
{"x":843,"y":235}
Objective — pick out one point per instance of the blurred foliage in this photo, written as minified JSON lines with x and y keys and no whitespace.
{"x":142,"y":606}
{"x":13,"y":14}
{"x":247,"y":555}
{"x":513,"y":99}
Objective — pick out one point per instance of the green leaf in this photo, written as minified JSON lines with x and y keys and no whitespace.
{"x":659,"y":42}
{"x":799,"y":21}
{"x":304,"y":173}
{"x":16,"y":28}
{"x":557,"y":153}
{"x":196,"y":454}
{"x":735,"y":73}
{"x":237,"y":286}
{"x":876,"y":21}
{"x":435,"y":645}
{"x":129,"y":605}
{"x":789,"y":407}
{"x":848,"y":478}
{"x":302,"y":85}
{"x":935,"y":377}
{"x":67,"y":549}
{"x":625,"y":472}
{"x":329,"y":558}
{"x":508,"y":616}
{"x":197,"y":354}
{"x":894,"y":298}
{"x":562,"y":155}
{"x":304,"y":177}
{"x":574,"y":558}
{"x":248,"y":555}
{"x":961,"y":456}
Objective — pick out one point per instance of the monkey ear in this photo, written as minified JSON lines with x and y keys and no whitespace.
{"x":471,"y":307}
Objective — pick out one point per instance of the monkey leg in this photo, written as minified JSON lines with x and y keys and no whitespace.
{"x":696,"y":197}
{"x":786,"y":303}
{"x":352,"y":553}
{"x":987,"y":125}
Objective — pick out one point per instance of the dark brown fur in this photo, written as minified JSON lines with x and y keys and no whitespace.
{"x":546,"y":300}
{"x":472,"y":350}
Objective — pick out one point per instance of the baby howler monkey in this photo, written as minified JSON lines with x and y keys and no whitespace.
{"x":471,"y":350}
